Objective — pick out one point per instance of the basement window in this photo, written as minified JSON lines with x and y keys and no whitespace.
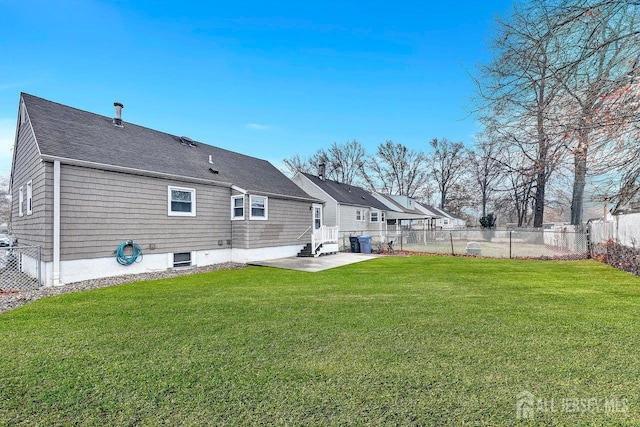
{"x":182,"y":259}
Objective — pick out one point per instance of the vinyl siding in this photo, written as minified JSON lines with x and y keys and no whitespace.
{"x":329,"y":210}
{"x":348,"y":221}
{"x":101,"y":209}
{"x":288,"y":219}
{"x":31,"y":229}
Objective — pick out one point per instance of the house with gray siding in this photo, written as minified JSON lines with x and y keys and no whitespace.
{"x":445,"y":220}
{"x":405,"y":213}
{"x":352,"y":209}
{"x":84,"y":183}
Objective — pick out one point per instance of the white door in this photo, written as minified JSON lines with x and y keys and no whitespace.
{"x":317,"y":216}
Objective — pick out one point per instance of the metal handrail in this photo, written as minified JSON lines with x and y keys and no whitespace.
{"x":305,"y":232}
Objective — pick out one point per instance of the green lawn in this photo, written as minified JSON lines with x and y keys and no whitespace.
{"x":393,"y":341}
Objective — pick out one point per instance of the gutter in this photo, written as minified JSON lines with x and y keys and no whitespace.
{"x":133,"y":171}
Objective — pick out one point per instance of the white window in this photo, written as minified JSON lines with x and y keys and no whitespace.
{"x":21,"y":202}
{"x":182,"y":201}
{"x":182,"y":260}
{"x":237,"y":207}
{"x":358,"y":215}
{"x":373,"y":216}
{"x":29,"y":197}
{"x":445,"y":221}
{"x":382,"y":216}
{"x":259,"y":207}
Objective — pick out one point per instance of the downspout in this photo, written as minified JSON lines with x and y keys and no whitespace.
{"x":56,"y":223}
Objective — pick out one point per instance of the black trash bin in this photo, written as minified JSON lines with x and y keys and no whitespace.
{"x":355,"y":244}
{"x":365,"y":244}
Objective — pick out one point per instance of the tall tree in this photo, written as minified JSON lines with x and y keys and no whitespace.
{"x":561,"y":80}
{"x":342,"y":162}
{"x":296,"y":163}
{"x":396,"y":169}
{"x":485,"y":170}
{"x":517,"y":90}
{"x":597,"y":72}
{"x":446,"y":165}
{"x":515,"y":189}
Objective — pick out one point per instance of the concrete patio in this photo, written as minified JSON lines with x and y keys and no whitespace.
{"x":316,"y":264}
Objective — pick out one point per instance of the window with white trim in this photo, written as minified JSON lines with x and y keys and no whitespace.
{"x":382,"y":219}
{"x":182,"y":201}
{"x":259,"y":207}
{"x":237,"y":207}
{"x":21,"y":201}
{"x":373,"y":216}
{"x":29,"y":197}
{"x":358,"y":215}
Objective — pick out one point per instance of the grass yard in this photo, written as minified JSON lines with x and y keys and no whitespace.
{"x":393,"y":341}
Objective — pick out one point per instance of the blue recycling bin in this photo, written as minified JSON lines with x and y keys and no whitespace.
{"x":365,"y":244}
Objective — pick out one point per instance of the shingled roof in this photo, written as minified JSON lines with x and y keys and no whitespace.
{"x":396,"y":206}
{"x":69,"y":133}
{"x":346,"y":193}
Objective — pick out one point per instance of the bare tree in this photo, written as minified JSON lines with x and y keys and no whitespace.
{"x":446,"y":165}
{"x":517,"y":91}
{"x":342,"y":162}
{"x":485,"y":170}
{"x":515,"y":192}
{"x":396,"y":169}
{"x":296,"y":163}
{"x":598,"y":74}
{"x":562,"y":81}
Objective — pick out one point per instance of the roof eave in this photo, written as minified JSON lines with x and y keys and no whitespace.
{"x":134,"y":171}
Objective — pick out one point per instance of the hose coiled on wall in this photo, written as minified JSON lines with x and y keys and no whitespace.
{"x":124,"y":259}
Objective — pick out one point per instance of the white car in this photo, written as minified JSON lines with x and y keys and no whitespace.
{"x":4,"y":240}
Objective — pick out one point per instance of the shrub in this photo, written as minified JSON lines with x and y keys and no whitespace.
{"x":488,"y":221}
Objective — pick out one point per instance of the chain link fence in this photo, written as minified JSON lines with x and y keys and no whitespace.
{"x":20,"y":268}
{"x":557,"y":243}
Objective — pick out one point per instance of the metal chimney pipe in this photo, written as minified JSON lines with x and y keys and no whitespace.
{"x":117,"y":120}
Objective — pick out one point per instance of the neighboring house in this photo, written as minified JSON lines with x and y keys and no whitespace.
{"x":352,"y":209}
{"x":435,"y":217}
{"x":447,"y":221}
{"x":404,"y":212}
{"x":83,"y":183}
